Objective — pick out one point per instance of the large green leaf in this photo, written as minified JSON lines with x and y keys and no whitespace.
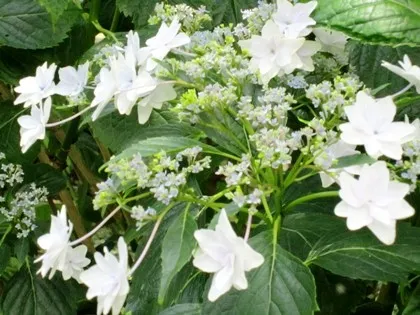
{"x":413,"y":305}
{"x":183,"y":309}
{"x":390,"y":22}
{"x":367,"y":59}
{"x":118,"y":132}
{"x":360,"y":255}
{"x":28,"y":294}
{"x":301,"y":231}
{"x":55,"y":7}
{"x":177,"y":249}
{"x":282,"y":285}
{"x":26,"y":24}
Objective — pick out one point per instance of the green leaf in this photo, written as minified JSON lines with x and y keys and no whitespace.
{"x":118,"y":132}
{"x":28,"y":294}
{"x":367,"y":59}
{"x":152,"y":146}
{"x":359,"y":255}
{"x":282,"y":285}
{"x":139,"y":10}
{"x":356,"y":159}
{"x":388,"y":22}
{"x":301,"y":231}
{"x":183,"y":309}
{"x":44,"y":175}
{"x":26,"y":24}
{"x":21,"y":249}
{"x":177,"y":248}
{"x":55,"y":8}
{"x":5,"y":254}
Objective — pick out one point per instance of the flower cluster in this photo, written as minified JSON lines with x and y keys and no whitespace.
{"x":163,"y":175}
{"x":19,"y":208}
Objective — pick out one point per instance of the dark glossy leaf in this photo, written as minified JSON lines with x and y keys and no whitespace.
{"x":44,"y":175}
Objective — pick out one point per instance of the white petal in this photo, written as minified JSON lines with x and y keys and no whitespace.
{"x":385,"y":233}
{"x":205,"y":263}
{"x":358,"y":218}
{"x":222,"y":281}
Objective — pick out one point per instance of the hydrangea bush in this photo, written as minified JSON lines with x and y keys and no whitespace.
{"x":217,"y":162}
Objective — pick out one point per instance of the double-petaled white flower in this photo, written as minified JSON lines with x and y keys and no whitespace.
{"x":272,"y":53}
{"x":32,"y":127}
{"x":33,"y":90}
{"x":407,"y":71}
{"x":72,"y":81}
{"x":374,"y":201}
{"x":107,"y":280}
{"x":228,"y":256}
{"x":371,"y":124}
{"x":294,"y":20}
{"x":59,"y":255}
{"x":160,"y":45}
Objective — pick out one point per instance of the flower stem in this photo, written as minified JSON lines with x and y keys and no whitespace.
{"x":58,"y":123}
{"x":266,"y":208}
{"x":323,"y":194}
{"x":115,"y":19}
{"x":402,"y":91}
{"x":248,"y":227}
{"x":150,"y":240}
{"x":96,"y":229}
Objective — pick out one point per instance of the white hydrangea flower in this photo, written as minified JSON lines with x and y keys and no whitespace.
{"x":228,"y":256}
{"x":59,"y":255}
{"x":373,"y":201}
{"x":72,"y":81}
{"x":103,"y":92}
{"x":160,"y":45}
{"x":406,"y":70}
{"x":33,"y":90}
{"x":293,"y":20}
{"x":271,"y":52}
{"x":107,"y":280}
{"x":331,"y":41}
{"x":371,"y":124}
{"x":32,"y":127}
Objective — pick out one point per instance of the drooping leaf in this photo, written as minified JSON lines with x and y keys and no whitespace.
{"x":367,"y":59}
{"x":28,"y":294}
{"x":389,"y":22}
{"x":282,"y":285}
{"x":177,"y":248}
{"x":183,"y":309}
{"x":44,"y":175}
{"x":26,"y":24}
{"x":359,"y":255}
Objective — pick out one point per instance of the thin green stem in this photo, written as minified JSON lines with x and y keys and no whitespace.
{"x":323,"y":194}
{"x":9,"y":228}
{"x":138,"y":197}
{"x":115,"y":19}
{"x":266,"y":208}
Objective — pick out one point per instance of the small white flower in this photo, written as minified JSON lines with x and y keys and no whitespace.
{"x":72,"y":81}
{"x":162,"y":93}
{"x":228,"y":256}
{"x":55,"y":244}
{"x":407,"y":71}
{"x":75,"y":262}
{"x":293,"y":20}
{"x":271,"y":52}
{"x":34,"y":89}
{"x":373,"y":201}
{"x":371,"y":124}
{"x":332,"y":41}
{"x":160,"y":45}
{"x":107,"y":280}
{"x":32,"y":127}
{"x":335,"y":151}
